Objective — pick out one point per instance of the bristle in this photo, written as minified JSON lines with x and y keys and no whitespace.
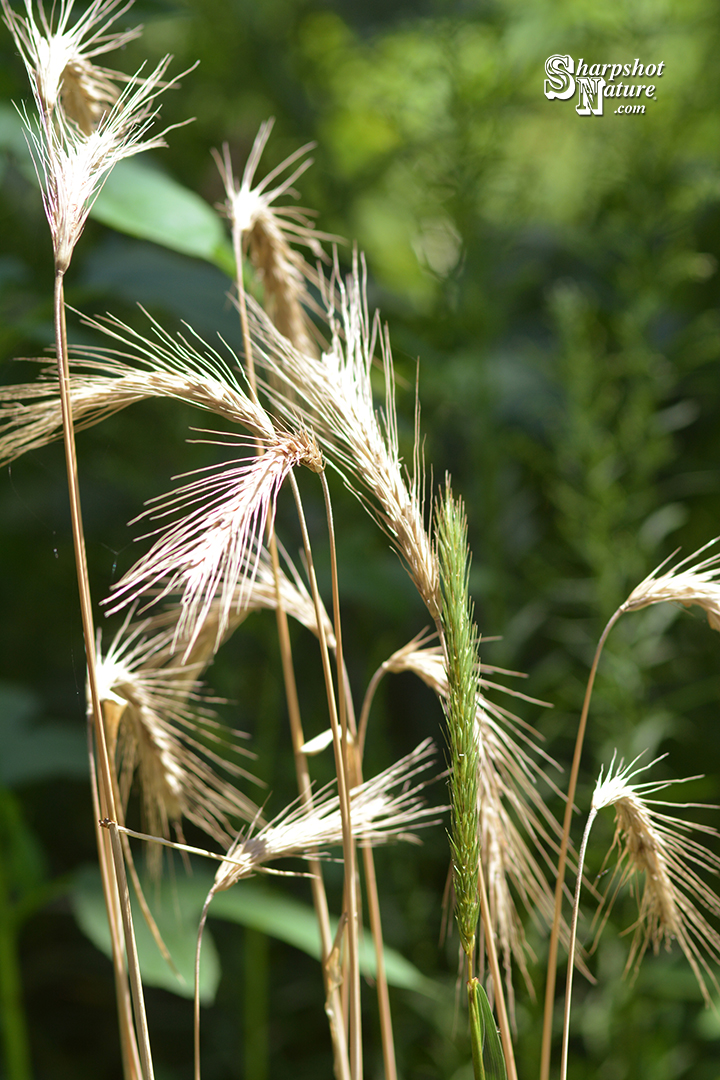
{"x":215,"y":546}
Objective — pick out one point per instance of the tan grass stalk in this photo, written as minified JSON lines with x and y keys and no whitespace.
{"x":344,"y":781}
{"x":250,"y":215}
{"x":105,"y":789}
{"x":72,"y":166}
{"x":242,"y":208}
{"x":132,"y":1069}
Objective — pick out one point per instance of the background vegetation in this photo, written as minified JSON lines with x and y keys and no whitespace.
{"x":557,"y":277}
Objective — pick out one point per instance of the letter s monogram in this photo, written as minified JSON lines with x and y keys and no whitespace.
{"x":560,"y":82}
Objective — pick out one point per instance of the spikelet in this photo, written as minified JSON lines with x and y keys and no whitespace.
{"x":266,"y":230}
{"x":659,"y":849}
{"x":158,"y":730}
{"x":684,"y":584}
{"x":333,"y":396}
{"x":58,"y":57}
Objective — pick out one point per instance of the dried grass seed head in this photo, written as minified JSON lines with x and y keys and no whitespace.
{"x":256,"y":592}
{"x":387,"y":807}
{"x":58,"y":57}
{"x":104,"y":381}
{"x":659,"y":847}
{"x":73,"y":166}
{"x":268,"y":231}
{"x":160,"y":731}
{"x":686,"y":583}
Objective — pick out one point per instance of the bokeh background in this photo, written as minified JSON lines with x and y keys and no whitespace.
{"x":556,"y":277}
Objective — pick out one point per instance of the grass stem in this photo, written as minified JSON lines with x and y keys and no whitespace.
{"x":105,"y":787}
{"x":355,"y":1025}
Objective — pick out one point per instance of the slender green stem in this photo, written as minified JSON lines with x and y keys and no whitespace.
{"x":256,"y":1043}
{"x":16,"y":1043}
{"x":494,"y":965}
{"x":562,"y":859}
{"x":196,"y":1000}
{"x":476,"y":1028}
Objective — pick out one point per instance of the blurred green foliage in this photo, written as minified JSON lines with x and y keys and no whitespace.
{"x":556,"y":276}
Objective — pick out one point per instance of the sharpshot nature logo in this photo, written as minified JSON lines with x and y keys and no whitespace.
{"x":596,"y":82}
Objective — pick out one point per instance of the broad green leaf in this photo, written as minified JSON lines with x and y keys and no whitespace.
{"x":176,"y":912}
{"x":144,"y":202}
{"x":247,"y":904}
{"x":32,"y":750}
{"x":291,"y":921}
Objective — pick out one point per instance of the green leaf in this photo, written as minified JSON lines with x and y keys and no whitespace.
{"x":36,"y":751}
{"x":142,"y":201}
{"x":247,"y":904}
{"x":488,"y":1057}
{"x":176,"y":910}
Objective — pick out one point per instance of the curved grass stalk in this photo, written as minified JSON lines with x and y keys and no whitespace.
{"x":562,"y":858}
